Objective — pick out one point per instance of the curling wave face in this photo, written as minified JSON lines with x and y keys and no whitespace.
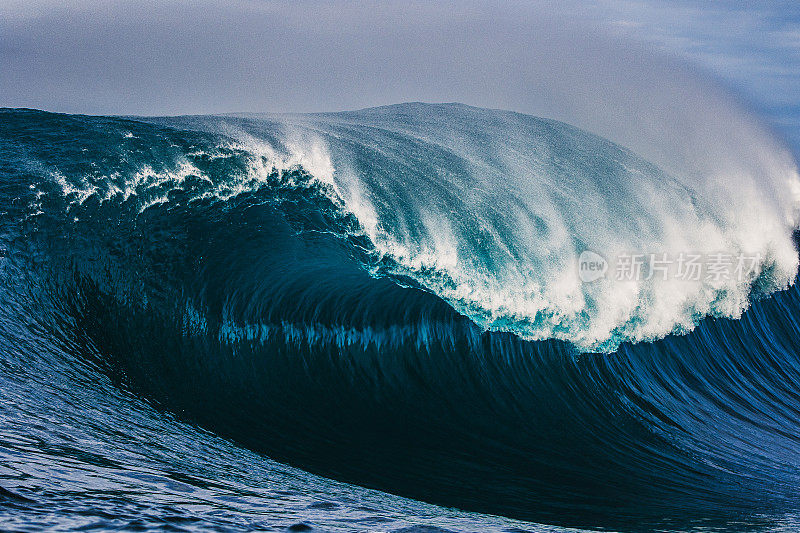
{"x":392,"y":297}
{"x":491,"y":211}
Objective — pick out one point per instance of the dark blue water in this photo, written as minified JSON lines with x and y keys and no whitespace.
{"x":208,"y":323}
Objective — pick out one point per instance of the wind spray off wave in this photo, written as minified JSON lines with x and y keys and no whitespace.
{"x":492,"y":210}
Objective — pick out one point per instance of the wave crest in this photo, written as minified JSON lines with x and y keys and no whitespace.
{"x":491,"y":210}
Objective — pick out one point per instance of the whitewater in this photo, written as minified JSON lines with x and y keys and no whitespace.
{"x":491,"y":211}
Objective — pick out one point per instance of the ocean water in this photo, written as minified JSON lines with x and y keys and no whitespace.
{"x":377,"y":321}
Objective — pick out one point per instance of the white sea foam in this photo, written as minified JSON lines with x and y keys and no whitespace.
{"x":491,"y":211}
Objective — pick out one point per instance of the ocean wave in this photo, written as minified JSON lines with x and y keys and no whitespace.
{"x":392,"y":298}
{"x":492,"y":210}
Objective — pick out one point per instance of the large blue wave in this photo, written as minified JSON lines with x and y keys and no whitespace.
{"x":491,"y":210}
{"x":392,"y":298}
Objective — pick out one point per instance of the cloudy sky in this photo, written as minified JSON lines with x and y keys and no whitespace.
{"x":555,"y":58}
{"x":753,"y":46}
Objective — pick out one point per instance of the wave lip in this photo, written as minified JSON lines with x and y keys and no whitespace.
{"x":492,"y":210}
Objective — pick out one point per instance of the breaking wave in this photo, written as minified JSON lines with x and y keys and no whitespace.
{"x":393,"y":297}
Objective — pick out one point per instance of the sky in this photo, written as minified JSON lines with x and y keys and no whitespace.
{"x":593,"y":63}
{"x":753,"y":47}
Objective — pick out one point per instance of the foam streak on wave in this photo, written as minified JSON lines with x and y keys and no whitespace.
{"x":491,"y":210}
